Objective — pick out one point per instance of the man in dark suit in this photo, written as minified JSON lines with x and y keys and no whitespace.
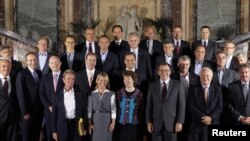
{"x":152,"y":46}
{"x":181,"y":47}
{"x":118,"y":44}
{"x":211,"y":46}
{"x":223,"y":77}
{"x":239,"y":97}
{"x":199,"y":61}
{"x":107,"y":61}
{"x":67,"y":111}
{"x":5,"y":52}
{"x":204,"y":106}
{"x":27,"y":88}
{"x":89,"y":45}
{"x":184,"y":76}
{"x":187,"y":79}
{"x":165,"y":110}
{"x":168,"y":57}
{"x":71,"y":59}
{"x":9,"y":109}
{"x":50,"y":84}
{"x":232,"y":63}
{"x":85,"y":79}
{"x":43,"y":55}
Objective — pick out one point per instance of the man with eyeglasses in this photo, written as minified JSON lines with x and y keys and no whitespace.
{"x":165,"y":109}
{"x":229,"y":49}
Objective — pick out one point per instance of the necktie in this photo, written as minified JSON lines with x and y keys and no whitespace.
{"x":164,"y":90}
{"x":220,"y":75}
{"x":206,"y":94}
{"x":136,"y":59}
{"x":55,"y":76}
{"x":70,"y":61}
{"x":90,"y":47}
{"x":5,"y":86}
{"x":204,"y":43}
{"x":245,"y":90}
{"x":35,"y":76}
{"x":177,"y":47}
{"x":90,"y":78}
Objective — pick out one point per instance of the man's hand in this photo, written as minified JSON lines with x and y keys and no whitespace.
{"x":150,"y":127}
{"x":178,"y":127}
{"x":206,"y":120}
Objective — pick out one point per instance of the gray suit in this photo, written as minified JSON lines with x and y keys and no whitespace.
{"x":165,"y":113}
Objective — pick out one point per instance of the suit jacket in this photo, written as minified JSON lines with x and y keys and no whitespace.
{"x":156,"y":50}
{"x":46,"y":89}
{"x":82,"y":49}
{"x":9,"y":109}
{"x":238,"y":106}
{"x":166,"y":111}
{"x":162,"y":59}
{"x":82,"y":84}
{"x":59,"y":123}
{"x":193,"y":79}
{"x":234,"y":64}
{"x":185,"y":49}
{"x":46,"y":68}
{"x":211,"y":49}
{"x":197,"y":107}
{"x":117,"y":49}
{"x":28,"y":92}
{"x":110,"y":64}
{"x":16,"y":68}
{"x":77,"y":62}
{"x":205,"y":63}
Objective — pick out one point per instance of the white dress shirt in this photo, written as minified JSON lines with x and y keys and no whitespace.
{"x":69,"y":103}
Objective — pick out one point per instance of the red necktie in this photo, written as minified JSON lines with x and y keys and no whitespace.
{"x":164,"y":90}
{"x":177,"y":47}
{"x":90,"y":47}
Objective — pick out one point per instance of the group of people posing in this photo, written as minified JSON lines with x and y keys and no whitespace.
{"x":135,"y":90}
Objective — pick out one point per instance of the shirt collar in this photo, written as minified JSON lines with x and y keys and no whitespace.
{"x":166,"y":81}
{"x":2,"y":77}
{"x":203,"y":86}
{"x":118,"y":41}
{"x":32,"y":70}
{"x":169,"y":55}
{"x":106,"y":90}
{"x":58,"y":73}
{"x":132,"y":50}
{"x":68,"y":91}
{"x":242,"y":82}
{"x":131,"y":69}
{"x":42,"y":54}
{"x":198,"y":62}
{"x":104,"y":53}
{"x":92,"y":71}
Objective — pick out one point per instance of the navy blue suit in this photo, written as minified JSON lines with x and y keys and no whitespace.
{"x":59,"y":121}
{"x":77,"y":62}
{"x":110,"y":64}
{"x":197,"y":108}
{"x":47,"y":94}
{"x":29,"y":102}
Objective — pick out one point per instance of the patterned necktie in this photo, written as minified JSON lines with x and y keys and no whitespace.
{"x":90,"y":47}
{"x":35,"y":76}
{"x":164,"y":90}
{"x":55,"y":76}
{"x":5,"y":86}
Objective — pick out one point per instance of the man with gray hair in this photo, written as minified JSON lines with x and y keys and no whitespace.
{"x":187,"y":78}
{"x":204,"y":106}
{"x":239,"y":97}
